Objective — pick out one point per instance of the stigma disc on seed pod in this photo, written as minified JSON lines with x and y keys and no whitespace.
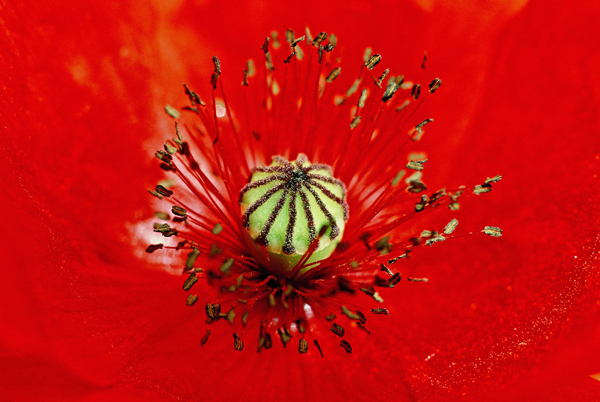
{"x":289,"y":205}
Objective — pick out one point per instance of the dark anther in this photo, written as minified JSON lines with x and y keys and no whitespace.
{"x":494,"y":179}
{"x":417,"y":279}
{"x":289,"y":36}
{"x":482,"y":189}
{"x":205,"y":337}
{"x":382,"y":77}
{"x":393,"y":260}
{"x":393,"y":281}
{"x":320,"y":38}
{"x":346,"y":345}
{"x":437,"y":195}
{"x":348,"y":313}
{"x":264,"y":339}
{"x":191,"y":300}
{"x":170,"y":148}
{"x":333,"y":74}
{"x":386,"y":270}
{"x":362,"y":319}
{"x":217,"y":65}
{"x":316,"y":343}
{"x":389,"y":91}
{"x":416,"y":165}
{"x":190,"y":281}
{"x":419,"y":206}
{"x":416,"y":91}
{"x":268,"y":341}
{"x":237,"y":343}
{"x":296,"y":41}
{"x":492,"y":231}
{"x":165,"y":230}
{"x":380,"y":311}
{"x":153,"y":247}
{"x":265,"y":45}
{"x":338,"y":330}
{"x":179,"y":211}
{"x":424,"y":60}
{"x":303,"y":346}
{"x":171,"y":111}
{"x":285,"y":336}
{"x":216,"y":73}
{"x":194,"y":97}
{"x":163,"y":191}
{"x":189,"y":263}
{"x":167,"y":167}
{"x":164,"y":156}
{"x":435,"y":84}
{"x":213,"y":310}
{"x":289,"y":58}
{"x":419,"y":127}
{"x":449,"y":228}
{"x":373,"y":61}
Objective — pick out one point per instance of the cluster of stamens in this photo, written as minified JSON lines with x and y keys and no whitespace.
{"x":284,"y":250}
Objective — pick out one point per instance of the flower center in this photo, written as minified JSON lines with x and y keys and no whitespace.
{"x":294,"y":213}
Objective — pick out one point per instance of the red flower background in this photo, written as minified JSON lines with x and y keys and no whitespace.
{"x":85,"y":316}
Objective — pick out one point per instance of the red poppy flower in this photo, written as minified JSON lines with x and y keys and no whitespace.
{"x":87,"y":315}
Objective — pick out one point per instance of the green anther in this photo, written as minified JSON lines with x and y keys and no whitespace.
{"x":289,"y":205}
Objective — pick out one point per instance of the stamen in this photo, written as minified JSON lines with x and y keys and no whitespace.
{"x":320,"y":38}
{"x":189,"y":263}
{"x":434,"y":85}
{"x":171,"y":111}
{"x":303,"y":346}
{"x":492,"y":231}
{"x":338,"y":330}
{"x":346,"y":345}
{"x":451,"y":226}
{"x":190,"y":281}
{"x":153,"y":247}
{"x":316,"y":343}
{"x":181,"y":212}
{"x":163,"y":191}
{"x":416,"y":91}
{"x":237,"y":343}
{"x":417,"y":279}
{"x":386,"y":269}
{"x":205,"y":337}
{"x":191,"y":300}
{"x":373,"y":61}
{"x":213,"y":310}
{"x":394,"y":280}
{"x":333,"y":74}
